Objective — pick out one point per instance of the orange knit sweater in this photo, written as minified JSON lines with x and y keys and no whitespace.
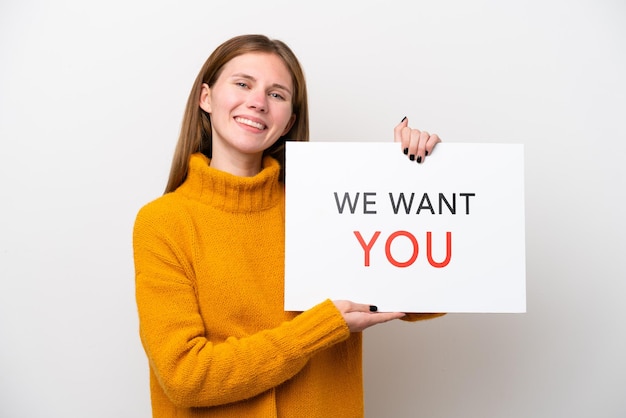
{"x":209,"y":262}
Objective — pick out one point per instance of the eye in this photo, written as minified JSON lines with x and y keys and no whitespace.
{"x":241,"y":84}
{"x":277,"y":96}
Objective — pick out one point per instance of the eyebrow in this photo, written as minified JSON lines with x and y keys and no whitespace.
{"x":249,"y":77}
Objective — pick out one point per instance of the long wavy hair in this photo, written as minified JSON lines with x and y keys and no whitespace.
{"x":195,"y":133}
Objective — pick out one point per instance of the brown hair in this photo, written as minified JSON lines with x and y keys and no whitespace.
{"x":195,"y":133}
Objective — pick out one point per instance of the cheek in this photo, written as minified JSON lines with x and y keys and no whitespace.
{"x":285,"y":116}
{"x":222,"y":102}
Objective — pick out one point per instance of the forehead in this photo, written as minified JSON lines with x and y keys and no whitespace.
{"x":261,"y":66}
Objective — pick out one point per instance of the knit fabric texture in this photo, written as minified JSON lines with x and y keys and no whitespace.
{"x":209,"y":264}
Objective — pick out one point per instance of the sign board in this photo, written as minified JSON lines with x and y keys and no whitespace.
{"x":366,"y":224}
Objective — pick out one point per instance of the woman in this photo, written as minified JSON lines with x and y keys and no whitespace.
{"x":209,"y":256}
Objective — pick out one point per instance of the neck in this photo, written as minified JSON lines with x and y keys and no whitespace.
{"x":231,"y":192}
{"x":242,"y":165}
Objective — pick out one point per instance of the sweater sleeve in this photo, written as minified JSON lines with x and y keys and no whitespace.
{"x":194,"y":371}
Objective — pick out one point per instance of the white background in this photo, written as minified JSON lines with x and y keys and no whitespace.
{"x":91,"y":98}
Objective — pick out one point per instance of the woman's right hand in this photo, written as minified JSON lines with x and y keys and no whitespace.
{"x":359,"y":316}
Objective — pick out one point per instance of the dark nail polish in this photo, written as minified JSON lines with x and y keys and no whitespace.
{"x":427,"y":153}
{"x":403,"y":119}
{"x":412,"y":157}
{"x":373,"y":308}
{"x":419,"y":159}
{"x":405,"y":151}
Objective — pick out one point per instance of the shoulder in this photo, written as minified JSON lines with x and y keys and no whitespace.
{"x":160,"y":208}
{"x":169,"y":212}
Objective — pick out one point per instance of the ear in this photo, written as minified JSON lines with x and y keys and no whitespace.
{"x":205,"y":98}
{"x":292,"y":119}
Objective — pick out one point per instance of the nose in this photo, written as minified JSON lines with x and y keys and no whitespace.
{"x":257,"y":100}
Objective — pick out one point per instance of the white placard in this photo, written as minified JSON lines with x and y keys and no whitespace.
{"x":366,"y":224}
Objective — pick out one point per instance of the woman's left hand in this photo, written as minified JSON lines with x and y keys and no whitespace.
{"x":415,"y":143}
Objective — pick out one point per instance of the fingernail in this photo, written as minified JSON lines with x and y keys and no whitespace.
{"x":403,"y":119}
{"x":427,"y":153}
{"x":419,"y":159}
{"x":405,"y":151}
{"x":412,"y":157}
{"x":373,"y":308}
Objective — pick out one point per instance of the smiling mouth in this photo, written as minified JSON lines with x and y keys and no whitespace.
{"x":249,"y":122}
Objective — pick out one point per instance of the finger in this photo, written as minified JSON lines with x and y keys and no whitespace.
{"x":421,"y":146}
{"x":405,"y":139}
{"x":403,"y":124}
{"x":432,"y":141}
{"x":362,"y":307}
{"x":382,"y":317}
{"x":414,"y":138}
{"x":390,"y":316}
{"x":397,"y":134}
{"x":346,"y":306}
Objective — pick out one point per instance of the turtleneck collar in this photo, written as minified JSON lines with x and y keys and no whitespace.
{"x":232,"y":193}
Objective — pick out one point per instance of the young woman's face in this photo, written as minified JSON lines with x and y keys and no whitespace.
{"x":250,"y":105}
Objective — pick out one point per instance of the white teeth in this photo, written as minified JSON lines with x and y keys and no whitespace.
{"x":250,"y":123}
